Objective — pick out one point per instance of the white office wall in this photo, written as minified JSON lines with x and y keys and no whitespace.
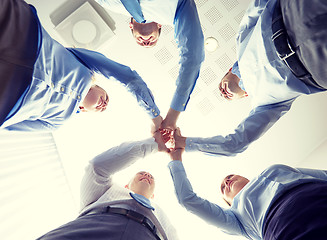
{"x":33,"y":186}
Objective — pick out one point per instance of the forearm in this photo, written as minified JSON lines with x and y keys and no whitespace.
{"x":253,"y":127}
{"x":98,"y":174}
{"x":98,"y":63}
{"x":122,"y":156}
{"x":210,"y":212}
{"x":191,"y":46}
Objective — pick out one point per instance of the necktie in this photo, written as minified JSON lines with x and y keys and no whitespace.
{"x":134,"y":8}
{"x":142,"y":200}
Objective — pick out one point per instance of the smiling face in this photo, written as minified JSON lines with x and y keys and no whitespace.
{"x":145,"y":34}
{"x":143,"y":183}
{"x":96,"y":100}
{"x":231,"y":186}
{"x":229,"y":87}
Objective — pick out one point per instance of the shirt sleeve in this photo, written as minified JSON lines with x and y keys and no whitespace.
{"x":28,"y":126}
{"x":253,"y":127}
{"x":251,"y":18}
{"x":320,"y":174}
{"x":98,"y":63}
{"x":236,"y":70}
{"x":209,"y":212}
{"x":98,"y":174}
{"x":189,"y":37}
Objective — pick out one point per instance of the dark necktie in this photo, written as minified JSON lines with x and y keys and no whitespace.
{"x":134,"y":8}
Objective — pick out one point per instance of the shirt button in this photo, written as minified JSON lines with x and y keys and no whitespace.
{"x":78,"y":97}
{"x":155,"y":114}
{"x":52,"y":85}
{"x":153,"y":110}
{"x":184,"y":105}
{"x":62,"y":89}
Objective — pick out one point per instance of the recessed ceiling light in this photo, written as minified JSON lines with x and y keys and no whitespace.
{"x":84,"y":32}
{"x":211,"y":44}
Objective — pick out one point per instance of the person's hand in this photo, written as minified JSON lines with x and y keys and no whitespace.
{"x":180,"y":141}
{"x":156,"y":122}
{"x":170,"y":121}
{"x":160,"y":141}
{"x":176,"y":154}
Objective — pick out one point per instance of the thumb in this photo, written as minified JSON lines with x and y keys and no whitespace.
{"x":177,"y":132}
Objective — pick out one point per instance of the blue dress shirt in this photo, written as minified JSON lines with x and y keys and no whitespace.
{"x":247,"y":214}
{"x":265,"y":78}
{"x":62,"y":79}
{"x":188,"y":34}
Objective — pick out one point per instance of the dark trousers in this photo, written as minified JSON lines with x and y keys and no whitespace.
{"x":299,"y":214}
{"x":306,"y":25}
{"x":101,"y":227}
{"x":18,"y":52}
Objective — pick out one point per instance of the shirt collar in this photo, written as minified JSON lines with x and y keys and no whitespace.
{"x":142,"y":200}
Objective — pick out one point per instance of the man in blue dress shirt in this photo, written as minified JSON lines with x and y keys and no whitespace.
{"x":281,"y":203}
{"x":43,"y":83}
{"x":147,"y":18}
{"x":268,"y":70}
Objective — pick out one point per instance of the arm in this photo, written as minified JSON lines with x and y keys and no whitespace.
{"x":27,"y":125}
{"x":209,"y":212}
{"x":320,"y":174}
{"x":98,"y":174}
{"x":250,"y":18}
{"x":253,"y":127}
{"x":130,"y":79}
{"x":189,"y":36}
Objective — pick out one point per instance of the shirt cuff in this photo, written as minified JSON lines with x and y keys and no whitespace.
{"x":154,"y":112}
{"x":179,"y":102}
{"x":151,"y":142}
{"x":236,"y":70}
{"x":190,"y":145}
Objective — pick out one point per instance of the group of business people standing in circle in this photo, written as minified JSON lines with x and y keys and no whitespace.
{"x":281,"y":55}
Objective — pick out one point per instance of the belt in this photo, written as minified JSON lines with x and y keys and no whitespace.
{"x":129,"y":214}
{"x":285,"y":50}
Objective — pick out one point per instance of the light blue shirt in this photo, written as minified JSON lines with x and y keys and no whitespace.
{"x":247,"y":214}
{"x":61,"y":80}
{"x":184,"y":17}
{"x":265,"y":78}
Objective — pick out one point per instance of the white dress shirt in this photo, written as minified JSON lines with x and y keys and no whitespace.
{"x":98,"y":189}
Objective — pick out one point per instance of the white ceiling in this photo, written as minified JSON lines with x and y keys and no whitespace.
{"x":290,"y":141}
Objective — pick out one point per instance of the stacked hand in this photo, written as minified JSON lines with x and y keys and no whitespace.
{"x":168,"y":136}
{"x":171,"y":141}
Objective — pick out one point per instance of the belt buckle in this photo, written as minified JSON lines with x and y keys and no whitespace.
{"x":287,"y":55}
{"x":135,"y":216}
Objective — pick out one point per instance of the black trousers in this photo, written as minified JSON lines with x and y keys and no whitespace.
{"x":101,"y":227}
{"x":299,"y":214}
{"x":18,"y":51}
{"x":306,"y":25}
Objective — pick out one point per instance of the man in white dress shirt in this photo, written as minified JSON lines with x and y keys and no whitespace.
{"x":109,"y":211}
